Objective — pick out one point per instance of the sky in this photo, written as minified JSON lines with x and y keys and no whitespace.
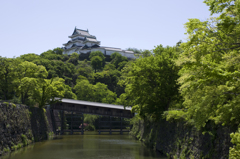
{"x":29,"y":26}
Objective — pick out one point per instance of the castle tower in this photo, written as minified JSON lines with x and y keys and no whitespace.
{"x":80,"y":40}
{"x":83,"y":43}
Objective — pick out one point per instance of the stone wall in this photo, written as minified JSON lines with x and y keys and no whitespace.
{"x":20,"y":126}
{"x":179,"y":140}
{"x":39,"y":124}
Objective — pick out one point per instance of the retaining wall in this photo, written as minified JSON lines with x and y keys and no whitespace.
{"x":179,"y":140}
{"x":20,"y":126}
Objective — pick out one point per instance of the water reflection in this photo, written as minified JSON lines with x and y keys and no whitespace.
{"x":87,"y":147}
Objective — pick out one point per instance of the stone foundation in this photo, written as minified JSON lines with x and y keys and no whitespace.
{"x":179,"y":140}
{"x":20,"y":126}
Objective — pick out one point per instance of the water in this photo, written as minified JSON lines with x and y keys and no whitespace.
{"x":87,"y":147}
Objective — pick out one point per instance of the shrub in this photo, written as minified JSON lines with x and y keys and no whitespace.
{"x":234,"y":152}
{"x":6,"y":103}
{"x":6,"y":149}
{"x":13,"y":105}
{"x":24,"y":140}
{"x":16,"y":100}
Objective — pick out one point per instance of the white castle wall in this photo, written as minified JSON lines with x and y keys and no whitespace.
{"x":97,"y":49}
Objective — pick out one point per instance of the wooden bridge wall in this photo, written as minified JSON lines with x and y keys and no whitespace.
{"x":93,"y":110}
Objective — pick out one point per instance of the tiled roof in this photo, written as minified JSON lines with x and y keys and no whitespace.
{"x":84,"y":47}
{"x":130,"y":52}
{"x":94,"y":104}
{"x":82,"y":32}
{"x":78,"y":38}
{"x":112,"y":49}
{"x":92,"y":40}
{"x":95,"y":46}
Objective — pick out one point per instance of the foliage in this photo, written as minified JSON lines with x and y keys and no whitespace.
{"x":30,"y":78}
{"x":46,"y":91}
{"x":146,"y":53}
{"x":16,"y":100}
{"x":27,"y":77}
{"x":68,"y":93}
{"x":210,"y":67}
{"x":55,"y":54}
{"x":117,"y":58}
{"x":74,"y":58}
{"x":24,"y":140}
{"x":7,"y":76}
{"x":135,"y":50}
{"x":234,"y":152}
{"x":151,"y":85}
{"x":121,"y":65}
{"x":96,"y":62}
{"x":100,"y":54}
{"x":95,"y":93}
{"x":30,"y":57}
{"x":175,"y":115}
{"x":108,"y":76}
{"x":90,"y":120}
{"x":83,"y":69}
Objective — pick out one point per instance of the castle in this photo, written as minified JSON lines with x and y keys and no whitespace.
{"x":84,"y":43}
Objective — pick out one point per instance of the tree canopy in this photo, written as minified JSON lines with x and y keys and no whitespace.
{"x":151,"y":84}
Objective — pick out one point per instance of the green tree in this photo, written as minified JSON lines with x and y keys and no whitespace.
{"x":146,"y":53}
{"x":30,"y":57}
{"x":68,"y":93}
{"x":98,"y":53}
{"x":95,"y":93}
{"x":135,"y":50}
{"x":8,"y":68}
{"x":109,"y":76}
{"x":151,"y":85}
{"x":84,"y":69}
{"x":96,"y":62}
{"x":74,"y":58}
{"x":58,"y":51}
{"x":52,"y":54}
{"x":234,"y":152}
{"x":103,"y":94}
{"x":27,"y":76}
{"x":44,"y":62}
{"x":48,"y":90}
{"x":63,"y":70}
{"x":210,"y":67}
{"x":117,"y":58}
{"x":84,"y":90}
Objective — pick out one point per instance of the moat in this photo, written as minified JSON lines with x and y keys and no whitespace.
{"x":88,"y":147}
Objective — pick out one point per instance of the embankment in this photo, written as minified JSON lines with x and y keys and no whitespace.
{"x":20,"y":126}
{"x":179,"y":140}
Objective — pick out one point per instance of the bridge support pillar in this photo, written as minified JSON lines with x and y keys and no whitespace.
{"x":99,"y":128}
{"x":82,"y":132}
{"x":62,"y":121}
{"x":71,"y":123}
{"x":53,"y":121}
{"x":121,"y":127}
{"x":110,"y":132}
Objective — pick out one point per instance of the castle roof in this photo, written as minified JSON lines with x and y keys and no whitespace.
{"x":91,"y":40}
{"x":81,"y":32}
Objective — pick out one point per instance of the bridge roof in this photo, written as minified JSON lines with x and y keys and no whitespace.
{"x":94,"y":104}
